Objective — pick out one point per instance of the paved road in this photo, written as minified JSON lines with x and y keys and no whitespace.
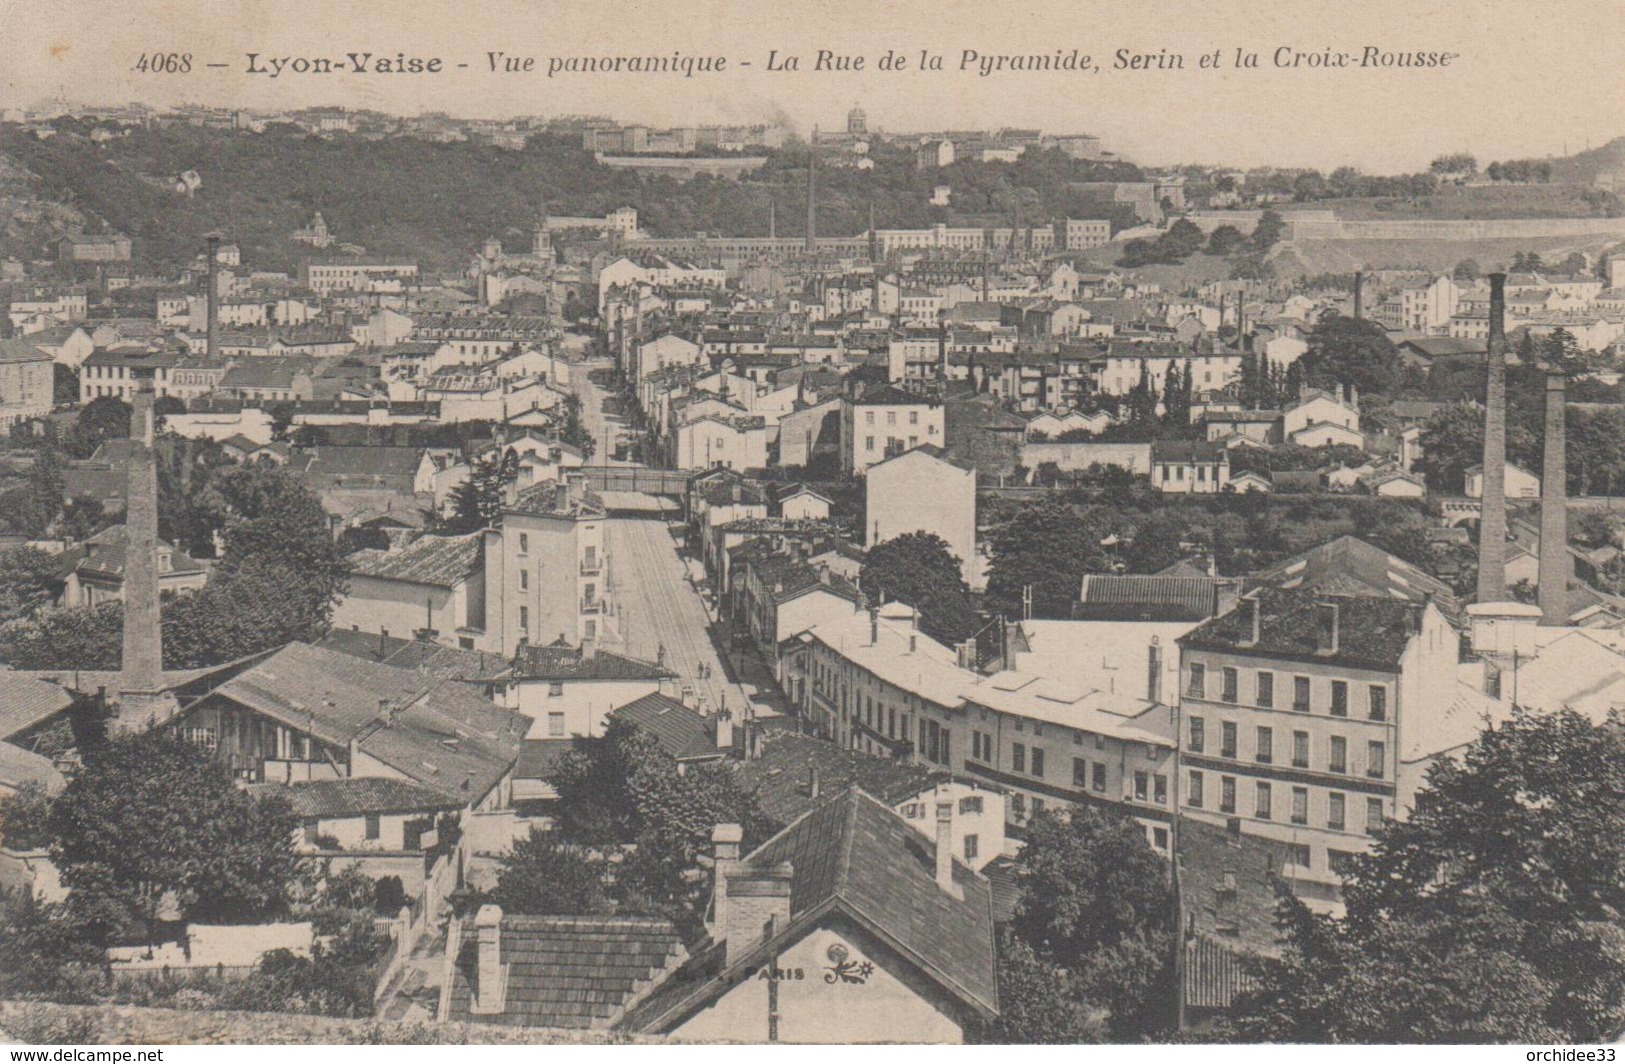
{"x":605,"y":429}
{"x":658,"y":606}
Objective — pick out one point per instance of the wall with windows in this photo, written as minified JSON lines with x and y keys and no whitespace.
{"x":565,"y":708}
{"x":1302,"y":752}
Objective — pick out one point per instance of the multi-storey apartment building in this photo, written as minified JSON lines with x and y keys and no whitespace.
{"x":324,"y":276}
{"x":884,"y":422}
{"x":546,"y":571}
{"x":873,"y":682}
{"x":1295,"y":709}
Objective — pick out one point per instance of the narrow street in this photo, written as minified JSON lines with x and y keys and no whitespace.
{"x":658,"y":607}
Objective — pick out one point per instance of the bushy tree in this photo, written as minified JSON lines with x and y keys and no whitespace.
{"x":1355,"y":351}
{"x":623,"y":790}
{"x":478,"y":501}
{"x":1095,"y":900}
{"x":1225,"y":240}
{"x":543,"y":874}
{"x":29,"y":579}
{"x":1489,"y":915}
{"x":918,"y":569}
{"x":1049,"y":546}
{"x":153,"y":818}
{"x":83,"y":637}
{"x":102,"y":419}
{"x":1040,"y":1002}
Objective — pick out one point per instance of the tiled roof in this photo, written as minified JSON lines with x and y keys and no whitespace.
{"x":1351,"y":566}
{"x":570,"y":663}
{"x":105,"y":555}
{"x":1373,"y":632}
{"x":436,"y":561}
{"x":357,"y":796}
{"x":682,"y":733}
{"x":19,"y":351}
{"x":1134,"y":597}
{"x":19,"y":766}
{"x":578,"y":972}
{"x":360,"y":461}
{"x":781,"y":775}
{"x":855,"y":858}
{"x":539,"y":759}
{"x":444,"y":735}
{"x":448,"y":663}
{"x":26,"y":703}
{"x":554,"y":497}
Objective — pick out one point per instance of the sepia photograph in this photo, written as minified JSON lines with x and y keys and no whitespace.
{"x":1069,"y":523}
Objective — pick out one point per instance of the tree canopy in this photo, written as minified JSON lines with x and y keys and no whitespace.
{"x":917,"y":568}
{"x":1490,"y":914}
{"x":152,"y":818}
{"x":1095,"y":902}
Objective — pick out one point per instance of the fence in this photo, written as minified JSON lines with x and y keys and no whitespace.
{"x":416,"y":920}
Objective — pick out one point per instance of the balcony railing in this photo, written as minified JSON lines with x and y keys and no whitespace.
{"x":592,"y":566}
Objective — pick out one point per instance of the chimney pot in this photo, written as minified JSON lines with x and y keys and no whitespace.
{"x":812,"y":781}
{"x":489,"y":995}
{"x":1328,"y":625}
{"x":945,"y":846}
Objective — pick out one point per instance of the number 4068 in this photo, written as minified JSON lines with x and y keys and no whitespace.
{"x":164,"y":63}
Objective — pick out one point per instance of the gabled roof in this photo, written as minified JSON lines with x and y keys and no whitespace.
{"x":854,"y":858}
{"x":434,"y":561}
{"x":448,"y":663}
{"x":1373,"y":632}
{"x":682,"y":733}
{"x":437,"y":732}
{"x":27,"y":703}
{"x":104,"y":555}
{"x":578,"y":972}
{"x":356,"y":796}
{"x":781,"y":775}
{"x":1146,"y":598}
{"x":1351,"y":566}
{"x":555,"y":662}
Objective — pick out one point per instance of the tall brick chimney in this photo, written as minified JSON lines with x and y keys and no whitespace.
{"x":214,"y":297}
{"x":142,"y":680}
{"x":1554,"y":502}
{"x":1359,"y":294}
{"x":812,"y":198}
{"x":1492,"y":528}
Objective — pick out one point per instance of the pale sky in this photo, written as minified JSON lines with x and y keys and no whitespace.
{"x":1533,"y":77}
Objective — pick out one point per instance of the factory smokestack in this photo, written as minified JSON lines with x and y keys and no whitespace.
{"x":142,"y":678}
{"x":1492,"y":528}
{"x":812,"y":198}
{"x":1554,"y":502}
{"x":1359,"y":295}
{"x":214,"y":298}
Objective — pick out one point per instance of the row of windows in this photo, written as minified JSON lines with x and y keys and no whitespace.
{"x":1337,"y":751}
{"x":1298,"y":803}
{"x":1376,"y":698}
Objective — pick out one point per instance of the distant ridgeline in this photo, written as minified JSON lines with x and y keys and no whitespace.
{"x":402,"y":195}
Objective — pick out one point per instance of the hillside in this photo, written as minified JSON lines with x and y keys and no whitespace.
{"x":402,"y":195}
{"x":1586,"y":166}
